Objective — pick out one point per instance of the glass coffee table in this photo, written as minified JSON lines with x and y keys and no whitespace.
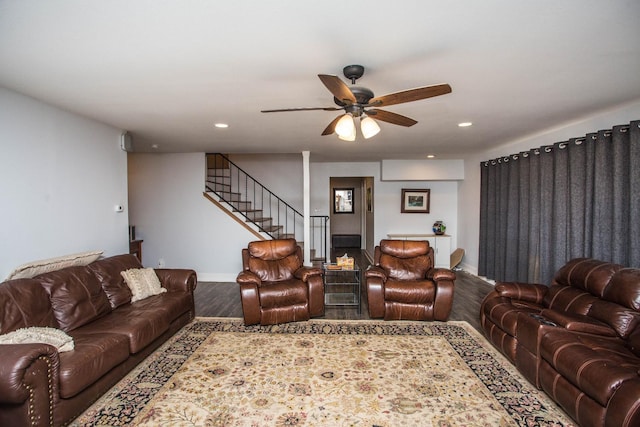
{"x":341,"y":286}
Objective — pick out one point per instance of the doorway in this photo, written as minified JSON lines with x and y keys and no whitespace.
{"x":351,"y":228}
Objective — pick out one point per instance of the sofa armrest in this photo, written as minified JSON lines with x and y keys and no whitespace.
{"x":177,"y":279}
{"x":378,"y":272}
{"x":530,"y":292}
{"x":578,"y":323}
{"x":26,"y":369}
{"x":248,"y":278}
{"x":304,"y":273}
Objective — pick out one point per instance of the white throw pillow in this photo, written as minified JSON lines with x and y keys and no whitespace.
{"x":51,"y":336}
{"x":143,"y":283}
{"x":34,"y":268}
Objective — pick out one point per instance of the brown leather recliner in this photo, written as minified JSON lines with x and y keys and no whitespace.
{"x":275,"y":287}
{"x":402,"y":283}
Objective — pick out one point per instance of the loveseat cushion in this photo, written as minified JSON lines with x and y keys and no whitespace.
{"x":108,"y":272}
{"x":24,"y":303}
{"x":141,"y":327}
{"x":94,"y":355}
{"x":76,"y":296}
{"x":595,"y":365}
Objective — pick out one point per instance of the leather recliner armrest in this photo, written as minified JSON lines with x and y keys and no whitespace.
{"x":378,"y":272}
{"x":16,"y":370}
{"x":438,"y":274}
{"x":249,"y":278}
{"x":530,"y":292}
{"x":303,"y":273}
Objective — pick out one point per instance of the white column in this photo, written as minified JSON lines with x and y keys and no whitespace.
{"x":305,"y":208}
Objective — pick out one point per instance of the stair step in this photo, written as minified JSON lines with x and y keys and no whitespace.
{"x":218,"y":172}
{"x":240,"y":205}
{"x":230,"y":196}
{"x":218,"y":186}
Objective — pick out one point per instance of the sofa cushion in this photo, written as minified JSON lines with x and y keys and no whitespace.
{"x":143,"y":283}
{"x":567,"y":298}
{"x":141,"y":327}
{"x":173,"y":304}
{"x":624,"y":288}
{"x":620,"y":318}
{"x":108,"y":272}
{"x":597,"y":366}
{"x":24,"y":303}
{"x":94,"y":355}
{"x":76,"y":296}
{"x":590,"y":275}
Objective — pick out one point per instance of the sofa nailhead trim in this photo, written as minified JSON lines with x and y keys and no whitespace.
{"x":50,"y":391}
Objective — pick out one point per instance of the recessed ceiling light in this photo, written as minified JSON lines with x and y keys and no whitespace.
{"x":465,"y":124}
{"x":221,"y":125}
{"x":431,"y":156}
{"x":154,"y":146}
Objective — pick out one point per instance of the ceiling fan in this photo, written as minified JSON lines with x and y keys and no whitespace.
{"x":358,"y":101}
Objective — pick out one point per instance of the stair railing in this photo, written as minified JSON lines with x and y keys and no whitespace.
{"x":258,"y":205}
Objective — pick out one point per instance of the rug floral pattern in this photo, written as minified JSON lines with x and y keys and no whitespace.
{"x":217,"y":372}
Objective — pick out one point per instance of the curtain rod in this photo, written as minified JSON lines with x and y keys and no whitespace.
{"x":548,"y":148}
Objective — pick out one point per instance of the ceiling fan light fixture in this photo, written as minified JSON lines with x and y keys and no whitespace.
{"x":369,"y":127}
{"x":349,"y":138}
{"x":346,"y":128}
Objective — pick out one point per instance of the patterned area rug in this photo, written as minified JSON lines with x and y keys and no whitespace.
{"x":217,"y":372}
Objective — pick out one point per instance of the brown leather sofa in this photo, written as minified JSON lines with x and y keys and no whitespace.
{"x":275,"y":287}
{"x":577,"y":339}
{"x":402,"y":284}
{"x":41,"y":387}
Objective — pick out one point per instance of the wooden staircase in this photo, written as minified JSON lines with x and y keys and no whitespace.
{"x":259,"y":210}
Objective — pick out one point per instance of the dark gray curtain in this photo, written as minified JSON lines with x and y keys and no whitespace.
{"x":543,"y":207}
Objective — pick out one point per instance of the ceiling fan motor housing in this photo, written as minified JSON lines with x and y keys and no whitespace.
{"x":353,"y":72}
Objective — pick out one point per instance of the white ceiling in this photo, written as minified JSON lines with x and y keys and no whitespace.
{"x":167,"y":70}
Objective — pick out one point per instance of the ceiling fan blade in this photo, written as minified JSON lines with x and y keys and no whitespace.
{"x":332,"y":126}
{"x":338,"y":88}
{"x":410,"y":95}
{"x":302,"y":109}
{"x":389,"y":117}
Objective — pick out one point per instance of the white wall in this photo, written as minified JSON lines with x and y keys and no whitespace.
{"x":177,"y":223}
{"x":61,"y":176}
{"x":469,"y":191}
{"x":180,"y":226}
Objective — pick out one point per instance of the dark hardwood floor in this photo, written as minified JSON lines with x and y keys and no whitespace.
{"x":222,"y":299}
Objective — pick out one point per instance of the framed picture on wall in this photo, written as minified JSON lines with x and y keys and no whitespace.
{"x":415,"y":200}
{"x":342,"y":200}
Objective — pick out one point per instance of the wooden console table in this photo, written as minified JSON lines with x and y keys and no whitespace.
{"x":135,"y":248}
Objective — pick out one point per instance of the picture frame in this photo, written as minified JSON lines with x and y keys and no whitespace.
{"x":415,"y":200}
{"x":343,"y":202}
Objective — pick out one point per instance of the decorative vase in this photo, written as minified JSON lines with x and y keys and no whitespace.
{"x":439,"y":228}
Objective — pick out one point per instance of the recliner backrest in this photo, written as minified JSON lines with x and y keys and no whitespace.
{"x":404,"y":259}
{"x":273,"y":260}
{"x":602,"y":290}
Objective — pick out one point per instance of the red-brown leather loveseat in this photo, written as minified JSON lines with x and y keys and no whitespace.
{"x":578,"y":339}
{"x":40,"y":386}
